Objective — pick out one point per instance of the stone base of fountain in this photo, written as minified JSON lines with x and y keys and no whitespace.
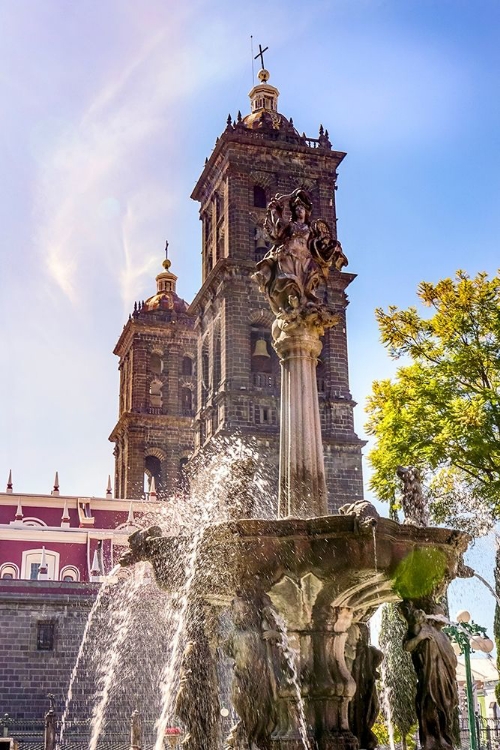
{"x":300,"y":592}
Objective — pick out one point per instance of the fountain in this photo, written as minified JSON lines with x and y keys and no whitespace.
{"x":299,"y":588}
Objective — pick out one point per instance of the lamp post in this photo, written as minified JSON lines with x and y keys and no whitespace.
{"x":469,"y":637}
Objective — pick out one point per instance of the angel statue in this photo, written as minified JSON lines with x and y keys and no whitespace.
{"x":301,"y":256}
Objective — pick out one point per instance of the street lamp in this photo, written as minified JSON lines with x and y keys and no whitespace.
{"x":469,"y":637}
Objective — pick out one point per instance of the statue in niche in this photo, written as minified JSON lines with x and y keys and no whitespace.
{"x":364,"y":706}
{"x":300,"y":258}
{"x":252,"y":691}
{"x":435,"y":664}
{"x":414,"y":505}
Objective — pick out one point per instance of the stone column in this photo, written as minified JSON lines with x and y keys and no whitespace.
{"x":302,"y":487}
{"x":135,"y":731}
{"x":49,"y":739}
{"x":289,"y":275}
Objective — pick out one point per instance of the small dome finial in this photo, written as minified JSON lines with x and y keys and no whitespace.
{"x":263,"y":75}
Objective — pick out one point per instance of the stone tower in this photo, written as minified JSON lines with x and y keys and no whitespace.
{"x":238,"y":384}
{"x":153,"y":436}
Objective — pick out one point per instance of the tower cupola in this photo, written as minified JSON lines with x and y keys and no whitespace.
{"x":166,"y":296}
{"x":165,"y":281}
{"x":264,"y":96}
{"x":264,"y":115}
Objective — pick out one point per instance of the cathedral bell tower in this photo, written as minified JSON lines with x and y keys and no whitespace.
{"x":238,"y":384}
{"x":153,"y":436}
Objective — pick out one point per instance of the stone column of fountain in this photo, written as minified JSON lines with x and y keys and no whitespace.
{"x":302,"y":488}
{"x":289,"y":274}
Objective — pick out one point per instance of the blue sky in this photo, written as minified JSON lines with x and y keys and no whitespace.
{"x":109,"y":110}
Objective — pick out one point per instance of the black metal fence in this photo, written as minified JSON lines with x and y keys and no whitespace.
{"x":487,"y":730}
{"x":29,"y":734}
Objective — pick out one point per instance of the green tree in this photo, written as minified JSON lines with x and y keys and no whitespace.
{"x":441,"y":412}
{"x":399,"y":675}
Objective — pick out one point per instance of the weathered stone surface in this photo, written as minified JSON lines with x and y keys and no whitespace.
{"x":309,"y":586}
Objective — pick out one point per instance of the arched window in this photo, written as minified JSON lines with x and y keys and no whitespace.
{"x":187,"y":402}
{"x":70,"y":573}
{"x":217,"y":360}
{"x":321,"y":376}
{"x":205,"y":372}
{"x":187,"y":366}
{"x":219,"y":206}
{"x":259,"y":197}
{"x":208,"y":241}
{"x":155,"y":393}
{"x":8,"y":571}
{"x":261,"y":351}
{"x":156,"y":363}
{"x":32,"y":559}
{"x":152,"y":468}
{"x":183,"y":475}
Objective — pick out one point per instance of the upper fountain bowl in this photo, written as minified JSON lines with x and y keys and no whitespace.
{"x":355,"y":564}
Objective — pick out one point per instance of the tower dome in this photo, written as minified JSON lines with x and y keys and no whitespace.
{"x":264,"y":107}
{"x":166,"y":297}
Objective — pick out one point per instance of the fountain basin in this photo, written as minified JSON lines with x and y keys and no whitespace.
{"x":361,"y":565}
{"x":300,"y":592}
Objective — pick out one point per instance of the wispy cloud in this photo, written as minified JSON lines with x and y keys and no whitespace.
{"x":92,"y":208}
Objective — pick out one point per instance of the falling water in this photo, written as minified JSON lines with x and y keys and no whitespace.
{"x":108,"y":668}
{"x":387,"y":708}
{"x":375,"y":561}
{"x":213,"y":504}
{"x":291,"y":660}
{"x":95,"y":607}
{"x":172,"y":666}
{"x":488,"y":586}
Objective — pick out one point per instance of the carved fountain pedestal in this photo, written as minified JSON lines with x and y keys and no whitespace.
{"x":302,"y":487}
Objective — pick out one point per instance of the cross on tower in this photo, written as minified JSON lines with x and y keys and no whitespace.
{"x":166,"y":249}
{"x":261,"y":55}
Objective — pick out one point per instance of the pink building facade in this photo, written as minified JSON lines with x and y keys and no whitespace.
{"x":61,"y":538}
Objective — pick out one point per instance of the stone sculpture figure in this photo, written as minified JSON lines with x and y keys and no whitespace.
{"x":435,"y":665}
{"x":413,"y":501}
{"x":340,"y":650}
{"x":365,"y":514}
{"x":284,"y":692}
{"x":364,"y":706}
{"x":138,"y":546}
{"x":300,"y":258}
{"x":302,"y":253}
{"x":252,"y":690}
